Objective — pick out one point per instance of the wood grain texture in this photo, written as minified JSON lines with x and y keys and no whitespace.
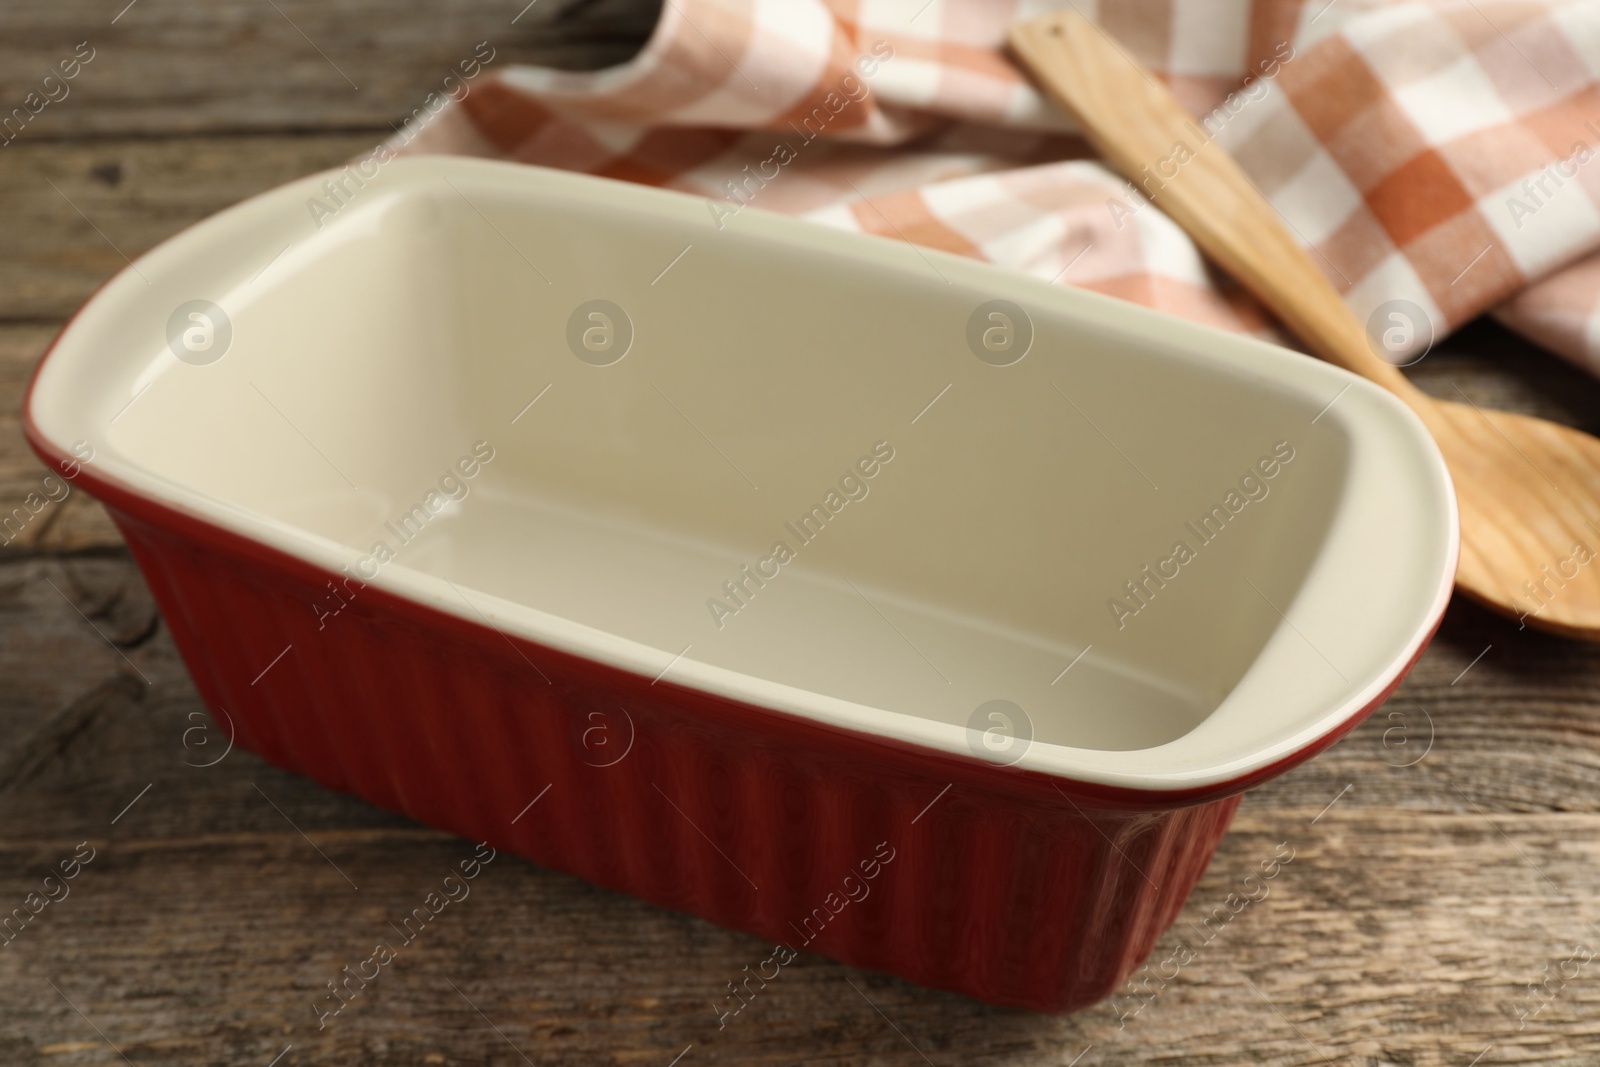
{"x":1416,"y":910}
{"x":1528,"y":490}
{"x":171,"y":67}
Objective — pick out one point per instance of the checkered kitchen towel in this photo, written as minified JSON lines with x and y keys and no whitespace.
{"x":1445,"y":152}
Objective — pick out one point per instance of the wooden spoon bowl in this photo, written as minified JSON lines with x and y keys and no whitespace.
{"x":1530,"y":514}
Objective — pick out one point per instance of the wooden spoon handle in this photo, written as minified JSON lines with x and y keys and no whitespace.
{"x":1136,"y":124}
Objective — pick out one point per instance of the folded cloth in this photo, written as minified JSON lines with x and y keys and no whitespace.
{"x":1431,"y":151}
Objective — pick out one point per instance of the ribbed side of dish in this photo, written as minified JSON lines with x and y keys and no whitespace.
{"x":997,"y":884}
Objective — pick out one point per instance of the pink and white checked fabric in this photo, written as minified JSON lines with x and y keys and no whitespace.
{"x":1445,"y":152}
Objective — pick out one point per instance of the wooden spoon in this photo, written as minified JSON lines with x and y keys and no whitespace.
{"x":1528,"y":489}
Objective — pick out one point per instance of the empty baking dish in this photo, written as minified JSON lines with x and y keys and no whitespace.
{"x":716,"y":562}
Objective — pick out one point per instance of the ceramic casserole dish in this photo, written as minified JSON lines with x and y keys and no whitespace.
{"x":872,"y":600}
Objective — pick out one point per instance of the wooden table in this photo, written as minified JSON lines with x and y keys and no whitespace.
{"x":1445,"y":854}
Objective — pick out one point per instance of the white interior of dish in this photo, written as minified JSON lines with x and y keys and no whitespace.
{"x":370,"y":354}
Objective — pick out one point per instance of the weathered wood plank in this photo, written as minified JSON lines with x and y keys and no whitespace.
{"x":170,"y":67}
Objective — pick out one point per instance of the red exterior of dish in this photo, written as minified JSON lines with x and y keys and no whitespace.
{"x":1009,"y":886}
{"x":1000,"y":888}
